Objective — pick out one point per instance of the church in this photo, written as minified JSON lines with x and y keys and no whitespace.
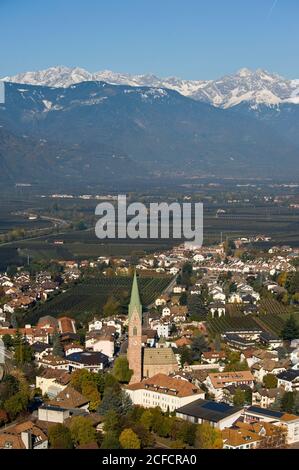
{"x":145,"y":362}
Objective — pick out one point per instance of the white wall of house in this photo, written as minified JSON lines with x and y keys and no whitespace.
{"x":150,"y":399}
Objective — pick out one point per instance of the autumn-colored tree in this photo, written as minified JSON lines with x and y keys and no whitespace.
{"x":82,"y":430}
{"x":208,"y":437}
{"x":276,"y":438}
{"x":80,"y":377}
{"x":129,"y":440}
{"x":90,"y":391}
{"x":270,"y":381}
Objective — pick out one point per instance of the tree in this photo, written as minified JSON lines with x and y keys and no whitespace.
{"x":121,"y":370}
{"x":147,"y":419}
{"x":208,"y":437}
{"x":110,"y":441}
{"x":8,"y":341}
{"x":183,"y":298}
{"x":23,"y":351}
{"x":111,"y":307}
{"x":290,"y":330}
{"x":270,"y":381}
{"x":16,"y":404}
{"x":82,"y":430}
{"x":281,"y":352}
{"x":80,"y":377}
{"x":57,"y":346}
{"x":90,"y":391}
{"x":111,"y":422}
{"x":145,"y":437}
{"x":239,"y":397}
{"x":288,"y":402}
{"x":275,"y":439}
{"x":116,"y":400}
{"x":129,"y":440}
{"x":198,"y":346}
{"x":185,"y":355}
{"x":60,"y":437}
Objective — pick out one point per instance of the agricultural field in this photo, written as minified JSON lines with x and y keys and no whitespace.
{"x":220,"y":325}
{"x":274,"y":323}
{"x":273,"y":307}
{"x":87,"y":298}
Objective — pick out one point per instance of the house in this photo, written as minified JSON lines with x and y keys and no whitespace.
{"x":238,"y":342}
{"x":53,"y":414}
{"x":92,"y":361}
{"x":289,"y":380}
{"x":163,"y":328}
{"x":163,"y":391}
{"x":95,"y":324}
{"x":162,"y":300}
{"x":53,"y":362}
{"x":179,"y":313}
{"x":246,"y":435}
{"x":213,"y":357}
{"x":98,"y":342}
{"x":289,"y":421}
{"x":66,"y":325}
{"x":230,"y":391}
{"x":268,"y":366}
{"x":166,"y":311}
{"x":235,"y":298}
{"x":72,"y":348}
{"x":52,"y":381}
{"x":270,"y":341}
{"x":70,"y":398}
{"x":217,"y":414}
{"x":237,"y":438}
{"x":217,"y":310}
{"x":265,"y":397}
{"x":217,"y":381}
{"x":25,"y":435}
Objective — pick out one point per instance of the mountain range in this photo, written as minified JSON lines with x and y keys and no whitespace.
{"x":256,"y":87}
{"x":65,"y":127}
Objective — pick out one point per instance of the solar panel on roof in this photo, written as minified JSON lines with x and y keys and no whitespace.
{"x":256,"y":409}
{"x":214,"y":406}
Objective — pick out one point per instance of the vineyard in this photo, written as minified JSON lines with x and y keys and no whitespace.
{"x":220,"y":325}
{"x":271,"y":323}
{"x":273,"y":307}
{"x":88,"y":297}
{"x":274,"y":323}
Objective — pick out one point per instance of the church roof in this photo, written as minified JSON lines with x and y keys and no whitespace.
{"x":159,"y":356}
{"x":135,"y":303}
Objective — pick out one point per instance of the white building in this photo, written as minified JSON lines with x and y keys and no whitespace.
{"x":163,"y":391}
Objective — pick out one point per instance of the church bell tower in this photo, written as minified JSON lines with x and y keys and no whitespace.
{"x":134,"y":353}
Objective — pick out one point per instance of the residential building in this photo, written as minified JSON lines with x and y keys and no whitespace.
{"x":163,"y":391}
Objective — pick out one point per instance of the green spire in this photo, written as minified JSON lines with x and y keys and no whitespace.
{"x":135,"y":303}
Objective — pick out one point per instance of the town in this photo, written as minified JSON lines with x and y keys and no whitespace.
{"x":178,"y":349}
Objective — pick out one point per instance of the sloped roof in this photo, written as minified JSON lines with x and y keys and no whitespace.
{"x":159,"y":356}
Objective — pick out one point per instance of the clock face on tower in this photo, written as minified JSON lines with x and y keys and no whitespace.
{"x":135,"y":342}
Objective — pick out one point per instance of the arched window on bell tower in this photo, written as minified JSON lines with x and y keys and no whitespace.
{"x":135,"y":331}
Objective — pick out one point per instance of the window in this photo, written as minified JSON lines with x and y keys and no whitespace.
{"x":135,"y":331}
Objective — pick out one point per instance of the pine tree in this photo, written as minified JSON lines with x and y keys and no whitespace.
{"x":57,"y":346}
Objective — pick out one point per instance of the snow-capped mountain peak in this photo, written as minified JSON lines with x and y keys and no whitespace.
{"x":252,"y":86}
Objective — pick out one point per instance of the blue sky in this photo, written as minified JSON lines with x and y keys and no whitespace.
{"x":194,"y":39}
